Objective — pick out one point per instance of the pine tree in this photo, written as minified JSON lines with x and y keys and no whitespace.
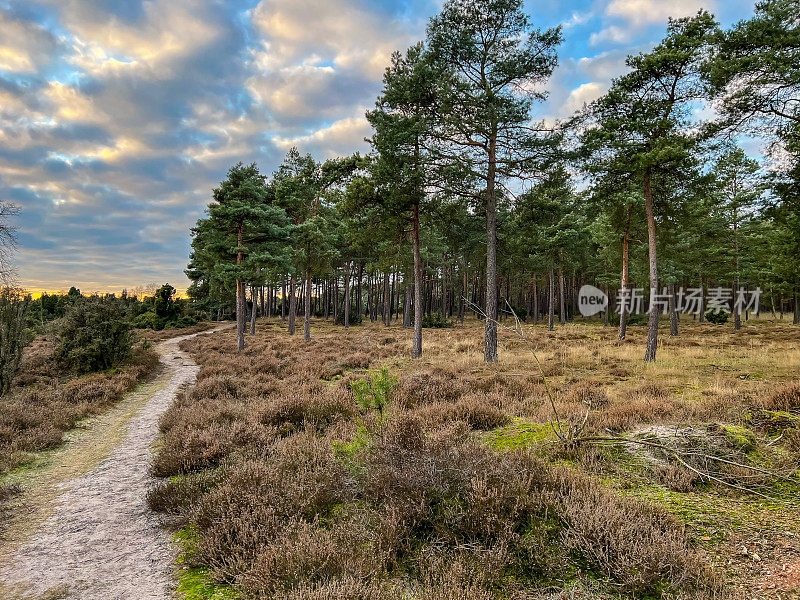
{"x":643,"y":125}
{"x":494,"y":57}
{"x":403,"y":121}
{"x":243,"y":234}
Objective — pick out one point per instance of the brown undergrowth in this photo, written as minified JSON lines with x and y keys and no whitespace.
{"x":287,"y":490}
{"x":44,"y":403}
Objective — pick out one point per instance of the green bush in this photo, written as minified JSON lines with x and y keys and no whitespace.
{"x":148,"y":320}
{"x":94,"y":335}
{"x":354,"y":316}
{"x":13,"y":336}
{"x":435,"y":321}
{"x":521,"y":312}
{"x":717,"y":318}
{"x":640,"y":319}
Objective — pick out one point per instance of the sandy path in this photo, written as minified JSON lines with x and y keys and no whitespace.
{"x":96,"y":537}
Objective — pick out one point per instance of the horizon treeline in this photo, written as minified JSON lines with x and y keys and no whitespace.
{"x":464,"y":203}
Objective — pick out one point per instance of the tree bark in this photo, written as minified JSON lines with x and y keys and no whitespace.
{"x":283,"y":300}
{"x":673,"y":312}
{"x":652,"y":333}
{"x":623,"y":314}
{"x":254,"y":298}
{"x":490,"y":342}
{"x":240,"y":300}
{"x":562,"y":317}
{"x":292,"y":306}
{"x":307,"y":324}
{"x":347,"y":295}
{"x":416,"y":348}
{"x":551,"y":303}
{"x":387,"y":299}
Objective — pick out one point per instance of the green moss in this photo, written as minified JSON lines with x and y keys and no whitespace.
{"x":196,"y":584}
{"x":519,"y":435}
{"x":778,"y":420}
{"x":741,"y":437}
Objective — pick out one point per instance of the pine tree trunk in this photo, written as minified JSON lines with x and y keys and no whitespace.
{"x":652,"y":333}
{"x":254,"y":297}
{"x":336,"y":298}
{"x":490,"y":342}
{"x":623,"y":314}
{"x":292,"y":305}
{"x":283,"y":300}
{"x":387,"y":297}
{"x":307,"y":324}
{"x":240,"y":314}
{"x":702,"y":302}
{"x":562,"y":317}
{"x":673,"y":312}
{"x":462,"y":301}
{"x":240,"y":300}
{"x":416,"y":349}
{"x":551,"y":303}
{"x":408,"y":291}
{"x":347,"y":295}
{"x":359,"y":305}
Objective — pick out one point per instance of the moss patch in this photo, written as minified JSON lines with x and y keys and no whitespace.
{"x":196,"y":584}
{"x":519,"y":435}
{"x":740,"y":437}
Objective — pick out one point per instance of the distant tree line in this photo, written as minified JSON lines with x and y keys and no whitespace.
{"x":466,"y":205}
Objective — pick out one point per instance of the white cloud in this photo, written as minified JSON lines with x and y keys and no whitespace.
{"x":341,"y":33}
{"x":582,"y":95}
{"x":606,"y":65}
{"x":644,"y":12}
{"x":640,"y":13}
{"x":338,"y":139}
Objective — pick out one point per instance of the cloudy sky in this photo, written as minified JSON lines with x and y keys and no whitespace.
{"x":117,"y":117}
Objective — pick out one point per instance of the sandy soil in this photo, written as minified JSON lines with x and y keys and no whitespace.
{"x":92,"y":536}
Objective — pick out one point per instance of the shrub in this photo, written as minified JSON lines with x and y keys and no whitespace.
{"x":717,"y":318}
{"x":13,"y":308}
{"x":94,"y":335}
{"x":355,"y":318}
{"x":640,"y":319}
{"x":435,"y":321}
{"x":148,"y":320}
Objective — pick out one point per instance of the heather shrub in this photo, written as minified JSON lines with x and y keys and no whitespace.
{"x":313,"y":493}
{"x":35,"y":417}
{"x":639,"y":545}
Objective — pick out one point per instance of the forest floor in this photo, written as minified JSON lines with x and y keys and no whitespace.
{"x":81,"y":527}
{"x":713,"y":395}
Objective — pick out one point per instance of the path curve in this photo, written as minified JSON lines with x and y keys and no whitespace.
{"x":102,"y":542}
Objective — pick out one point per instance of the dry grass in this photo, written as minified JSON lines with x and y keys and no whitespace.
{"x":291,"y":492}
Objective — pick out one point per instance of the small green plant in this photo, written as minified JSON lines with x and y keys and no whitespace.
{"x":373,"y":393}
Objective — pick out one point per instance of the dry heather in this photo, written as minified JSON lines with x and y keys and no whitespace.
{"x":43,"y":403}
{"x":285,"y":489}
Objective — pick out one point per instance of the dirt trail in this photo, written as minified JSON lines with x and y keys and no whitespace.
{"x":87,"y":532}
